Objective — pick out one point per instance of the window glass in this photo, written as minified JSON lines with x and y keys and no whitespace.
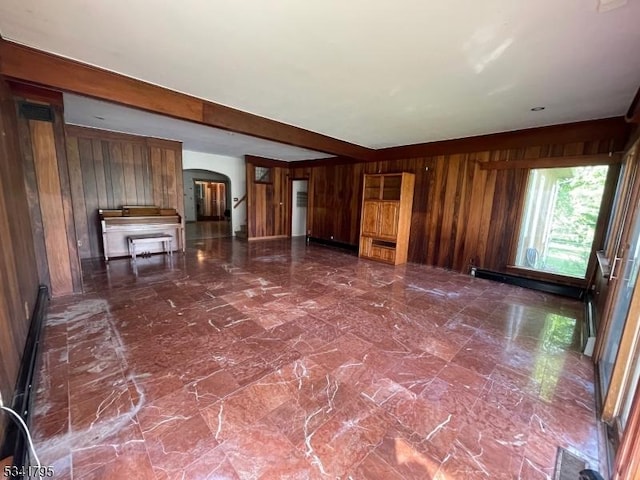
{"x":559,"y":219}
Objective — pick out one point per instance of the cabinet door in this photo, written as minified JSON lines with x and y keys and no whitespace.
{"x":389,"y":216}
{"x":370,"y":218}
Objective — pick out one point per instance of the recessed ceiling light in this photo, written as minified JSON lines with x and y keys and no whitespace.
{"x":537,"y":109}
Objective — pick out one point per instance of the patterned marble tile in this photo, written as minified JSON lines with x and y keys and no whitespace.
{"x":277,"y":359}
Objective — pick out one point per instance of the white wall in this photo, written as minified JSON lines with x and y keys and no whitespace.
{"x":232,"y":167}
{"x":298,"y":214}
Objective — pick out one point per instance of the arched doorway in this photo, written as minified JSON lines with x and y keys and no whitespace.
{"x":207,"y":204}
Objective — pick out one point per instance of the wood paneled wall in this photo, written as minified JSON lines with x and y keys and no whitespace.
{"x":335,"y":194}
{"x":46,"y":177}
{"x":109,"y":170}
{"x":462,"y":214}
{"x":18,"y":271}
{"x":268,"y":203}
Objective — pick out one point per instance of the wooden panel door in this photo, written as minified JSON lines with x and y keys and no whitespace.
{"x":370,"y":212}
{"x":388,"y":220}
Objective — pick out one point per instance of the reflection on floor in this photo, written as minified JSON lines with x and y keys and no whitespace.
{"x":272,"y":360}
{"x":207,"y":229}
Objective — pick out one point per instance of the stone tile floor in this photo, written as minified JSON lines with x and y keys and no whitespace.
{"x":276,"y":359}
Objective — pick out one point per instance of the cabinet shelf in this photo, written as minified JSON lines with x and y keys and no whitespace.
{"x":387,"y":200}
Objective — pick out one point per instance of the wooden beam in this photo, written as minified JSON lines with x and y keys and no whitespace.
{"x":614,"y":128}
{"x":323,"y":162}
{"x":266,"y":162}
{"x":554,"y":162}
{"x":26,"y":64}
{"x":37,"y":94}
{"x":633,"y":114}
{"x":237,"y":121}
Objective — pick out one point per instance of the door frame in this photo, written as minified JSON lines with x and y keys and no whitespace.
{"x":291,"y":200}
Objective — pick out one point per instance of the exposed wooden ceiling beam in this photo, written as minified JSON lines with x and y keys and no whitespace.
{"x":26,"y":64}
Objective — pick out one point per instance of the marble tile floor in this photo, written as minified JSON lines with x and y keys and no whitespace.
{"x":278,"y":360}
{"x":208,"y":229}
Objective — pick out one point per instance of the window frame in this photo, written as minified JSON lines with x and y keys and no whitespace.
{"x":613,"y":173}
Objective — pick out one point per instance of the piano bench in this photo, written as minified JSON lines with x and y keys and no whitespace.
{"x":150,"y":238}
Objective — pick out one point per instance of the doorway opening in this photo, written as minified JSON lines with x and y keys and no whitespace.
{"x":299,"y":207}
{"x":207,"y":205}
{"x":211,"y":201}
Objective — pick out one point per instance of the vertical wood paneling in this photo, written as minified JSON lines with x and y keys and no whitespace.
{"x":77,"y":198}
{"x":139,"y":166}
{"x":131,"y":194}
{"x":67,"y":204}
{"x":147,"y":181}
{"x":18,"y":269}
{"x":485,"y":221}
{"x":31,"y":187}
{"x":90,"y":190}
{"x":268,"y":204}
{"x":156,"y":180}
{"x":106,"y":159}
{"x":109,"y":170}
{"x":462,"y":214}
{"x":117,"y":174}
{"x":100,"y":173}
{"x":50,"y":200}
{"x":47,"y":181}
{"x":169,"y":179}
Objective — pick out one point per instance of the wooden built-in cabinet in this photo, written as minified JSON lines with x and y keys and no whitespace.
{"x":387,"y":200}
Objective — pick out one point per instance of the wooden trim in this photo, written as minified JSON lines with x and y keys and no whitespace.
{"x":99,"y":134}
{"x":38,"y":94}
{"x":164,"y":143}
{"x":242,"y":199}
{"x":633,"y":114}
{"x":266,"y":162}
{"x":228,"y":118}
{"x":323,"y":162}
{"x":624,"y":358}
{"x":554,"y":162}
{"x":615,"y":128}
{"x":627,"y":462}
{"x":606,"y":209}
{"x":30,"y":65}
{"x":623,"y":224}
{"x":34,"y":66}
{"x":513,"y":242}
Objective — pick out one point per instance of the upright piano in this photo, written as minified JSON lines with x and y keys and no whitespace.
{"x":118,"y":225}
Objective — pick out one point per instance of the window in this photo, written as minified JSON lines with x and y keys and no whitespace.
{"x":262,"y":175}
{"x":559,"y":219}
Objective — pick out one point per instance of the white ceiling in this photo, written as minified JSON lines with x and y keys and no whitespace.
{"x":200,"y":138}
{"x":372,"y":72}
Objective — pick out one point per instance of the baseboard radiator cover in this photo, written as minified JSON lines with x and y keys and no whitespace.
{"x":15,"y":443}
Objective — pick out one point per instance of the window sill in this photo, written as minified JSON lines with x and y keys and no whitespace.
{"x":546,"y":276}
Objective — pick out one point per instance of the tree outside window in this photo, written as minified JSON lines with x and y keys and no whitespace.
{"x":559,"y":220}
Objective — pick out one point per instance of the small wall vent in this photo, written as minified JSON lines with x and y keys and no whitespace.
{"x":35,"y":111}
